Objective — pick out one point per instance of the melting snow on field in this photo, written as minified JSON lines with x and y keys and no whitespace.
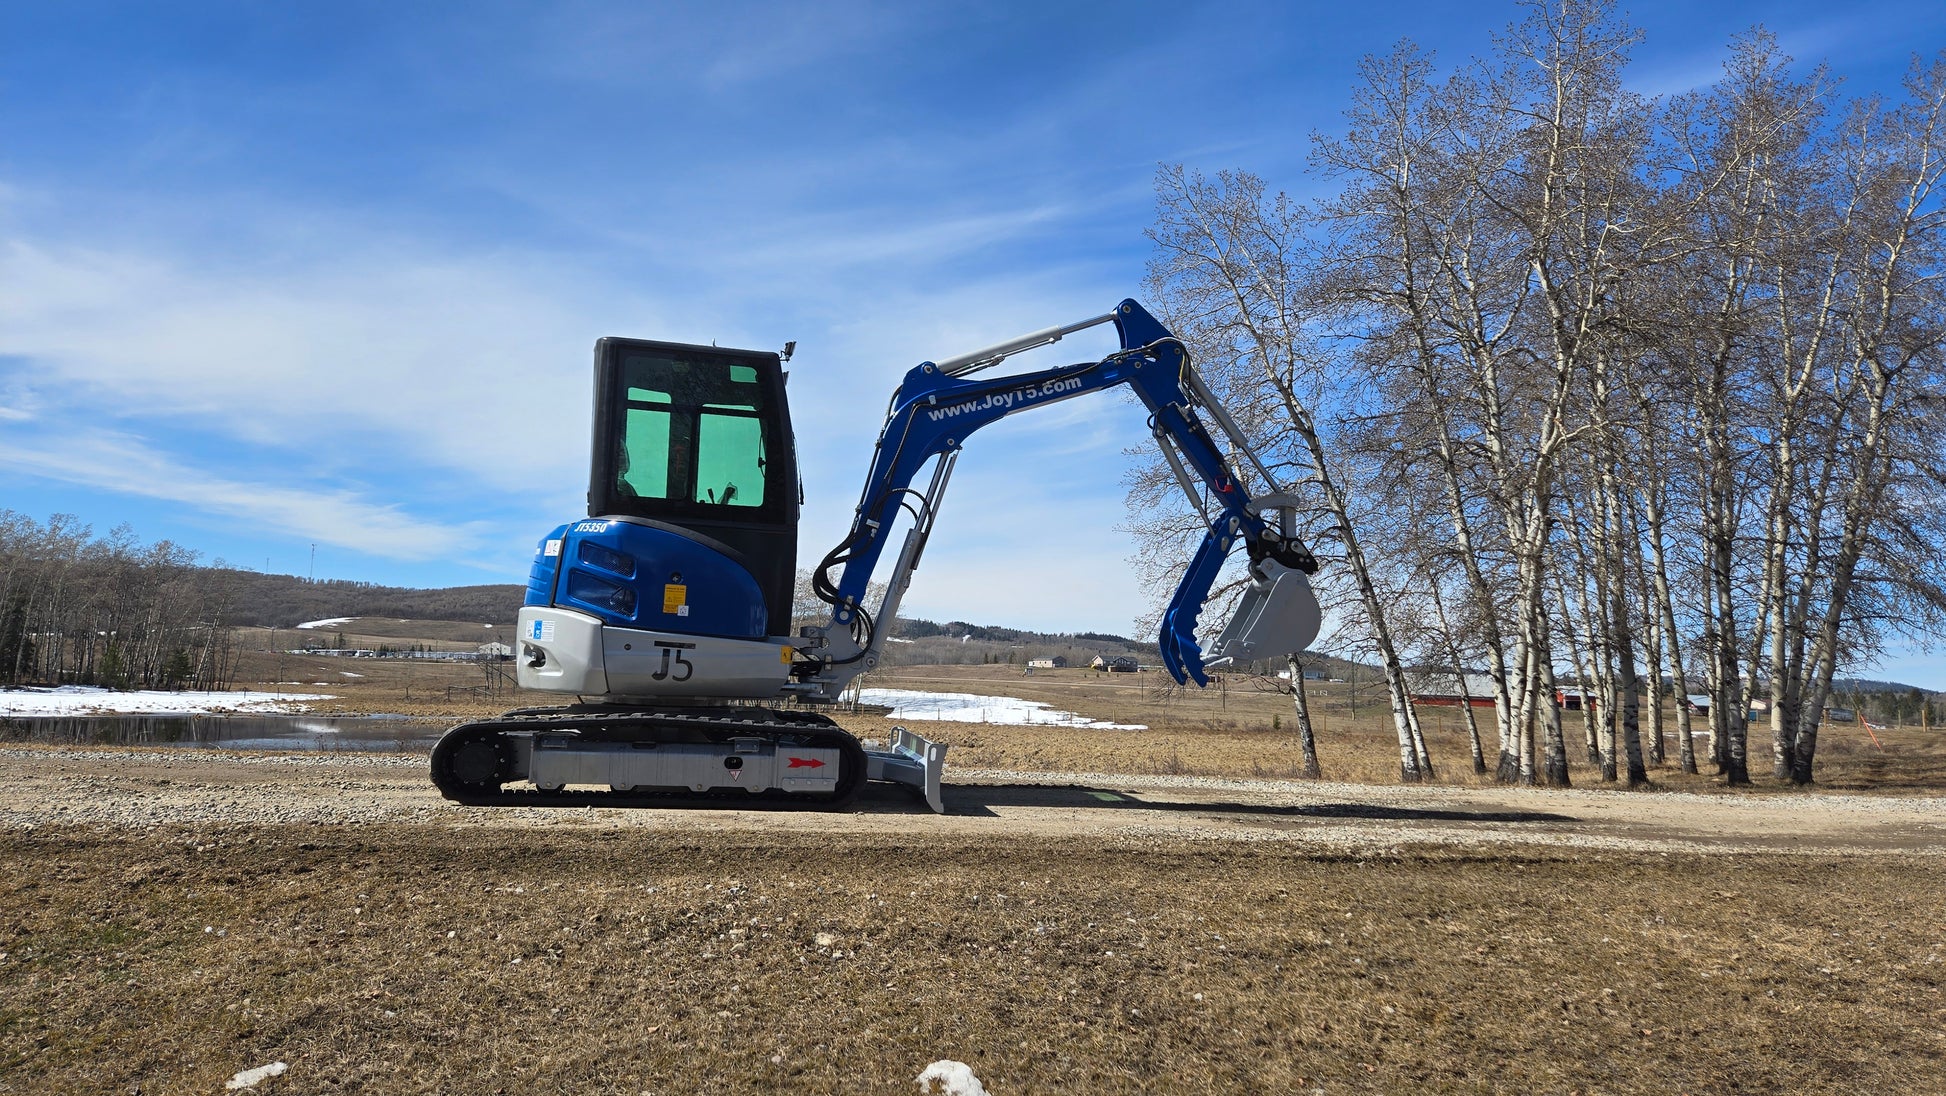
{"x":332,"y":623}
{"x":80,"y":700}
{"x":967,"y":708}
{"x":250,"y":1077}
{"x":955,"y":1079}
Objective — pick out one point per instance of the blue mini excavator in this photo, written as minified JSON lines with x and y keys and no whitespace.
{"x":666,"y":611}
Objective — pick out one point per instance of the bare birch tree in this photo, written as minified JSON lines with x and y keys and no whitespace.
{"x":1649,"y":387}
{"x":1232,"y":277}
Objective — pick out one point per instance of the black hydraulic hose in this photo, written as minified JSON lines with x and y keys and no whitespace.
{"x":827,"y":593}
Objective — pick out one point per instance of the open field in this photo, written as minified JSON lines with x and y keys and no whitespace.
{"x":175,"y":917}
{"x":1235,"y":729}
{"x":1239,"y":730}
{"x":1098,"y":911}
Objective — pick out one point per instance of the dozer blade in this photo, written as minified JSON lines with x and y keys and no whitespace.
{"x":1277,"y":616}
{"x":913,"y":761}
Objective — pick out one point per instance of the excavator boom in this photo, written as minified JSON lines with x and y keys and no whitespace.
{"x":937,"y":408}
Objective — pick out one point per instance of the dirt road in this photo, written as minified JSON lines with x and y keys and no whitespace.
{"x":203,"y":786}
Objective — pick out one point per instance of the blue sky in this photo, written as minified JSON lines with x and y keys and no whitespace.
{"x":283,"y":275}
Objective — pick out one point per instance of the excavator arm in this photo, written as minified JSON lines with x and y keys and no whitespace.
{"x":938,"y":406}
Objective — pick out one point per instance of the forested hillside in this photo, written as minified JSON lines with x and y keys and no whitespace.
{"x":280,"y":601}
{"x":110,"y":610}
{"x":76,"y":608}
{"x":910,"y":628}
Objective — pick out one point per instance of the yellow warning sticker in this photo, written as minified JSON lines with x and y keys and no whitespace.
{"x":785,"y":655}
{"x":675,"y":599}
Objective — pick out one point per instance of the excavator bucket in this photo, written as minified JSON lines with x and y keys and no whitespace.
{"x":1278,"y":615}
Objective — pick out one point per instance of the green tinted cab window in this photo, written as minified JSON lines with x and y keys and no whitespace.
{"x":692,"y":431}
{"x":644,"y":467}
{"x":730,"y":457}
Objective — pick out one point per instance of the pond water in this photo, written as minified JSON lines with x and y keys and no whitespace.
{"x":236,"y":732}
{"x":969,"y":708}
{"x":263,"y":731}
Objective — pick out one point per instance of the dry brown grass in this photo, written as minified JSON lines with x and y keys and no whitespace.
{"x":649,"y":957}
{"x":407,"y":959}
{"x":1241,"y":731}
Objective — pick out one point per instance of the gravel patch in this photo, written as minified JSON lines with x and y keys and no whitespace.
{"x":148,"y":787}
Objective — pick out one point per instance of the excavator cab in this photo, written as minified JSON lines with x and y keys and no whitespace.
{"x":696,"y":441}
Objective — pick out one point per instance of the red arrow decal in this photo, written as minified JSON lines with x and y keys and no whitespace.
{"x":805,"y":763}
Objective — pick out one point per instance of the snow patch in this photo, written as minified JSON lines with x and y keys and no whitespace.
{"x":348,"y":673}
{"x":83,"y":700}
{"x":968,"y":708}
{"x":955,"y":1079}
{"x":332,"y":623}
{"x":249,"y":1077}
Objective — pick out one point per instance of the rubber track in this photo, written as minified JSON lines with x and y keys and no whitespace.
{"x":591,"y":721}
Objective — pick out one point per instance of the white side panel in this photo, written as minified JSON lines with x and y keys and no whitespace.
{"x":579,"y":655}
{"x":568,"y":646}
{"x":664,"y":664}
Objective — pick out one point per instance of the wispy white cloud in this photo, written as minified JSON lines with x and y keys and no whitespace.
{"x":434,"y":360}
{"x":1694,"y":64}
{"x":400,"y":367}
{"x":17,"y":404}
{"x":347,"y":519}
{"x":769,"y":216}
{"x":1067,"y":586}
{"x":862,"y":238}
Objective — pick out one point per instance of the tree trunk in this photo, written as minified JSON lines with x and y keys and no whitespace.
{"x":1306,"y":741}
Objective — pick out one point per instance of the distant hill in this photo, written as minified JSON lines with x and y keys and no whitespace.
{"x":1868,"y":685}
{"x":284,"y":601}
{"x":281,"y":601}
{"x":911,"y":628}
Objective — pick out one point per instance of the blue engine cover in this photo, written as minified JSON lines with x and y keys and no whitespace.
{"x":642,"y":576}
